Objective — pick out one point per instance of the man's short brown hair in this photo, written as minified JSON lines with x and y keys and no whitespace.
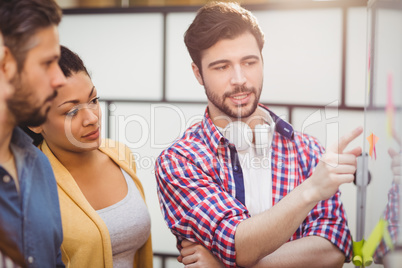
{"x":216,"y":21}
{"x":20,"y":20}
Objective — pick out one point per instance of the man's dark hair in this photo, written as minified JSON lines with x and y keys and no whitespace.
{"x":216,"y":21}
{"x":20,"y":20}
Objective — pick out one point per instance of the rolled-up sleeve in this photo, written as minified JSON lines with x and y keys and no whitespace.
{"x":328,"y":218}
{"x":195,"y":205}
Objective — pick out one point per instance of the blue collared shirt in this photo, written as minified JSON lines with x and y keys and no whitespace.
{"x":32,"y":217}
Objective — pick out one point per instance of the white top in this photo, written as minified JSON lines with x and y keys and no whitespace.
{"x":129,"y":225}
{"x":255,"y":161}
{"x":257,"y":178}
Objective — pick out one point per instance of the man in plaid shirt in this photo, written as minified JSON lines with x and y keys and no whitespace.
{"x":242,"y":184}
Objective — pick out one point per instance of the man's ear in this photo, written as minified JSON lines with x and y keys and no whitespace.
{"x":197,"y":73}
{"x":2,"y":48}
{"x":8,"y":64}
{"x":37,"y":130}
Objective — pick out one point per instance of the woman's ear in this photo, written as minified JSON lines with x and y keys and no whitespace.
{"x":37,"y":130}
{"x":197,"y":73}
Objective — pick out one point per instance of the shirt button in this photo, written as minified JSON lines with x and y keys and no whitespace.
{"x":30,"y":259}
{"x":236,"y":168}
{"x":6,"y":179}
{"x":280,"y":164}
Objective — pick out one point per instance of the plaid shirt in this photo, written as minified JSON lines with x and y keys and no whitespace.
{"x":201,"y":190}
{"x":391,"y":215}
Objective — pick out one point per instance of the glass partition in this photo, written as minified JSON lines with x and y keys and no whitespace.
{"x":379,"y":203}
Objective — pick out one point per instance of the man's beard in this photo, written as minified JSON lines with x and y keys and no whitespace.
{"x":241,"y":111}
{"x":22,"y":106}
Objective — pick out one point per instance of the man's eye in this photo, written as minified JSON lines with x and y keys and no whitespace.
{"x":223,"y":67}
{"x":249,"y":63}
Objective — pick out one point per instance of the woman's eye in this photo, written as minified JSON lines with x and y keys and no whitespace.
{"x":72,"y":112}
{"x":93,"y":104}
{"x":95,"y":101}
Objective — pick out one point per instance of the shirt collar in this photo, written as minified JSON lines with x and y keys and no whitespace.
{"x":213,"y":137}
{"x":281,"y":126}
{"x":20,"y":138}
{"x":24,"y":152}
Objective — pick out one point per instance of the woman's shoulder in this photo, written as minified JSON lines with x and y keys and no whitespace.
{"x":113,"y":146}
{"x":116,"y":150}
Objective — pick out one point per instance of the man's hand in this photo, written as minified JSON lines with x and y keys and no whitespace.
{"x":335,"y":168}
{"x":194,"y":255}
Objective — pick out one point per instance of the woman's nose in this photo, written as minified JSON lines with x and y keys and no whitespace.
{"x":91,"y":116}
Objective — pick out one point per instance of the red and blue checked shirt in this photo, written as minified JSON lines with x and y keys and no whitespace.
{"x":201,"y":191}
{"x":391,"y":215}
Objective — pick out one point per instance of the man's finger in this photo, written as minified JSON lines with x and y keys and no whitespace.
{"x":345,"y":178}
{"x":396,"y":137}
{"x":392,"y":153}
{"x":345,"y":140}
{"x":357,"y":151}
{"x":186,"y":243}
{"x":349,"y":159}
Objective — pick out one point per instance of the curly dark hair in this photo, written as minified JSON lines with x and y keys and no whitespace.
{"x":70,"y":63}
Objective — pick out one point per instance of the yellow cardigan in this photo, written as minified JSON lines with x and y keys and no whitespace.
{"x":86,"y":240}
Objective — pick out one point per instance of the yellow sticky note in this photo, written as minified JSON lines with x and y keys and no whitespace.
{"x":373,"y":241}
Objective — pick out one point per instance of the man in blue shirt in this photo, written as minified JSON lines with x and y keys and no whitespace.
{"x":9,"y":253}
{"x":29,"y":206}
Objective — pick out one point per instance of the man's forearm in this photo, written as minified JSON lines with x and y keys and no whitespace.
{"x":262,"y":234}
{"x":310,"y":251}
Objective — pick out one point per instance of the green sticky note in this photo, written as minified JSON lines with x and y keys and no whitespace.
{"x":357,"y":252}
{"x":357,"y":260}
{"x":373,"y":241}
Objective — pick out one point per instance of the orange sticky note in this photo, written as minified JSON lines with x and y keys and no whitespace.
{"x":372,"y":139}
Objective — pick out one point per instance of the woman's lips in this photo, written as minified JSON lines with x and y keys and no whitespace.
{"x":92,"y":135}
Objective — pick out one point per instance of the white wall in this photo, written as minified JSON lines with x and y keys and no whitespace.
{"x":124,"y":56}
{"x":303,"y":66}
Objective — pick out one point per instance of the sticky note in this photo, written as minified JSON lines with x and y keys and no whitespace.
{"x":390,"y":108}
{"x":372,"y":139}
{"x":357,"y":252}
{"x":380,"y":232}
